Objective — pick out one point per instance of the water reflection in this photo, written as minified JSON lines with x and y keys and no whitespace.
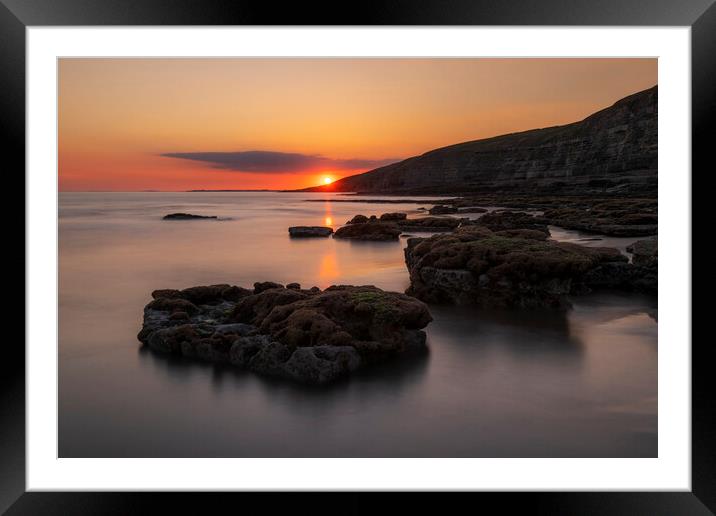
{"x":523,"y":336}
{"x":329,"y":270}
{"x":382,"y":380}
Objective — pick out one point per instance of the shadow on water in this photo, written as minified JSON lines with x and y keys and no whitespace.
{"x":604,"y":305}
{"x":375,"y":380}
{"x":522,"y":335}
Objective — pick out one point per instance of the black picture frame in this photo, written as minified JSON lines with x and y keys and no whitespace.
{"x":17,"y":15}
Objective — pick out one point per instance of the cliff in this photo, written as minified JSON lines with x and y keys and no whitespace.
{"x":614,"y":149}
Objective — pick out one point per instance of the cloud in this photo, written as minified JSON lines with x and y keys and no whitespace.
{"x":277,"y":162}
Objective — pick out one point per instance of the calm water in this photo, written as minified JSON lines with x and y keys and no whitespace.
{"x":500,"y":384}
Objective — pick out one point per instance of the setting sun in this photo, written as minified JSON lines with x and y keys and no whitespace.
{"x":327,"y":180}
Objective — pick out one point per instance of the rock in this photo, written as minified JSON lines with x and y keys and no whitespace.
{"x":167,"y":293}
{"x":294,"y":286}
{"x":271,"y":358}
{"x":391,"y":217}
{"x":260,"y":286}
{"x":218,"y":349}
{"x":645,"y":252}
{"x":170,"y":339}
{"x":614,"y":217}
{"x":447,"y":285}
{"x":214,"y":294}
{"x":623,"y":276}
{"x":511,"y":220}
{"x":441,"y":209}
{"x":253,"y":309}
{"x":370,"y":231}
{"x":641,"y":275}
{"x":376,"y":323}
{"x":322,"y":364}
{"x":210,"y":294}
{"x":244,"y":349}
{"x":628,"y":214}
{"x":530,"y":234}
{"x":173,"y":305}
{"x":187,"y":216}
{"x":311,"y":336}
{"x":390,"y":225}
{"x":430,"y":224}
{"x":309,"y":231}
{"x":239,"y":329}
{"x":358,"y":219}
{"x":475,"y":265}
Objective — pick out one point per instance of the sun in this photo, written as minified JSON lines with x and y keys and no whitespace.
{"x":327,"y":180}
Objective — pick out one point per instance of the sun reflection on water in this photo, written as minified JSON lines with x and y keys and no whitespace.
{"x":328,"y":269}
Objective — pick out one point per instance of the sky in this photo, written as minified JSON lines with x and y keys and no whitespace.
{"x":285,"y":123}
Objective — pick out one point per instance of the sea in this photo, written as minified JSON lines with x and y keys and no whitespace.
{"x":580,"y":383}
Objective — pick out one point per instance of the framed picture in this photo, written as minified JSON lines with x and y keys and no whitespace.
{"x":411,"y":249}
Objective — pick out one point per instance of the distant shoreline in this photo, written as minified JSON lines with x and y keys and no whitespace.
{"x":233,"y":190}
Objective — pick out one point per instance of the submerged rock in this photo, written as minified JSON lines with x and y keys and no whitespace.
{"x":309,"y":231}
{"x":509,"y":268}
{"x":187,"y":216}
{"x":310,"y":336}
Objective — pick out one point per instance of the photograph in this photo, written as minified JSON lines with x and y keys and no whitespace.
{"x":357,"y":257}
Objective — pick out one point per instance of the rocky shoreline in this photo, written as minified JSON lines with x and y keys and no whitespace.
{"x":516,"y":268}
{"x":610,"y":215}
{"x":606,"y":215}
{"x":505,"y":258}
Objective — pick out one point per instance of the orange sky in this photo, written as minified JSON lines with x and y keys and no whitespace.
{"x":310,"y":118}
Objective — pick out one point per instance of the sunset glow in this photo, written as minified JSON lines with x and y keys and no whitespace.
{"x":182,"y":124}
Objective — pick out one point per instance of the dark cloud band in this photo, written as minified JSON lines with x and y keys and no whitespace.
{"x":277,"y":162}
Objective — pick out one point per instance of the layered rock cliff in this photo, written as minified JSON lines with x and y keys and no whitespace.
{"x":613,"y":149}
